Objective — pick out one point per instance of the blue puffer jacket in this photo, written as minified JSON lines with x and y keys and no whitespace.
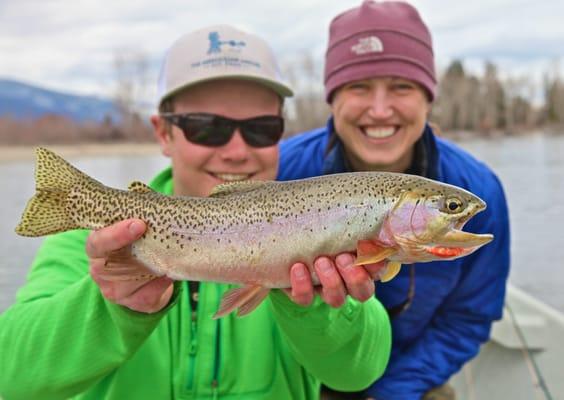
{"x":456,"y":301}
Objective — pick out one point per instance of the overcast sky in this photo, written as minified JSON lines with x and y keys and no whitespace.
{"x":71,"y":45}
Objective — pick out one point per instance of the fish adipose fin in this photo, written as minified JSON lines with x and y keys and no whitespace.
{"x":45,"y":212}
{"x":246,"y":299}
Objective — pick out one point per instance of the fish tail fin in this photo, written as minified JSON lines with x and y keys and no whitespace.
{"x":45,"y":212}
{"x":245,"y":299}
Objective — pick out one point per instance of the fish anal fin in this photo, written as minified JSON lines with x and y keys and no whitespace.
{"x":245,"y":299}
{"x":253,"y":303}
{"x":371,"y":252}
{"x":139,"y":187}
{"x":236,"y":187}
{"x":392,"y":269}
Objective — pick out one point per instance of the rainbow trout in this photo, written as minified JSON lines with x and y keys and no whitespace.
{"x":250,"y":233}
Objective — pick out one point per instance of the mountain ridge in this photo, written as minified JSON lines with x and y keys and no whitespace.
{"x":21,"y":101}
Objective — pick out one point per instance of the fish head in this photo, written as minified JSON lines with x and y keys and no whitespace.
{"x":426,"y":223}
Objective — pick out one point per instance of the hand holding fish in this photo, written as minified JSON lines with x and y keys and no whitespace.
{"x":338,"y":277}
{"x":146,"y":294}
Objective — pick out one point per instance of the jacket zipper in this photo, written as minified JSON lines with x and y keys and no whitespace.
{"x":215,"y":380}
{"x":193,"y":346}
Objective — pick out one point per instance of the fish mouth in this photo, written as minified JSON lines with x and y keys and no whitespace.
{"x":479,"y":207}
{"x":456,"y":243}
{"x":456,"y":238}
{"x":449,"y":246}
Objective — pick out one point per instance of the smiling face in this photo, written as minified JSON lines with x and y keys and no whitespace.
{"x":198,"y":169}
{"x":379,"y":120}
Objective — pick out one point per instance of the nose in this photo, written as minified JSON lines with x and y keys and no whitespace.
{"x":236,"y":150}
{"x":380,"y":104}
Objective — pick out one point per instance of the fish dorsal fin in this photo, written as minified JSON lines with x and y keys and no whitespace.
{"x":235,"y":187}
{"x":139,"y":187}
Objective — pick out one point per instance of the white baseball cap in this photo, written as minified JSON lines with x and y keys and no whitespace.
{"x":219,"y":52}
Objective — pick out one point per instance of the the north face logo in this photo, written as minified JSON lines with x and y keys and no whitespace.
{"x":216,"y":43}
{"x":370,"y":44}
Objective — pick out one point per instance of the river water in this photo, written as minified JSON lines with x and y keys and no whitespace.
{"x":530,"y":167}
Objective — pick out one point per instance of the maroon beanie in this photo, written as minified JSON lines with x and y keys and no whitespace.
{"x":379,"y":39}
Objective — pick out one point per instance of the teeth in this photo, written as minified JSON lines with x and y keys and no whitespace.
{"x":232,"y":177}
{"x":378,"y":133}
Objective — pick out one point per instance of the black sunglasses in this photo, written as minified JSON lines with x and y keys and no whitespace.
{"x":215,"y":130}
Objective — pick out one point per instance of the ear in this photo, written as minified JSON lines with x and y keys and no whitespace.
{"x":162,"y":134}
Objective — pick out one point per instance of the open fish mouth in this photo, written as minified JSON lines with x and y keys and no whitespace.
{"x":459,"y":238}
{"x":450,"y":245}
{"x":456,"y":243}
{"x":479,"y":207}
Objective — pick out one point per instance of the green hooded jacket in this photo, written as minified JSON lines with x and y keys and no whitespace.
{"x":62,"y":339}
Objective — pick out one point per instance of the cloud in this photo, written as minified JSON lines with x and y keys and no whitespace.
{"x":70,"y":45}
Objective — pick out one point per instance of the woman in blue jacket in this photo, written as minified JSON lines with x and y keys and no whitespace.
{"x":380,"y":83}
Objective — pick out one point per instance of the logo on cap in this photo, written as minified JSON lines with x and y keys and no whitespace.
{"x":370,"y":44}
{"x":216,"y":43}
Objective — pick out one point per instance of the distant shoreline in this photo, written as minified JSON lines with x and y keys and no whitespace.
{"x":23,"y":153}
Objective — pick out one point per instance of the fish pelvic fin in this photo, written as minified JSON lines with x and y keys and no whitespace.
{"x":245,"y":299}
{"x":391,"y":270}
{"x":45,"y":212}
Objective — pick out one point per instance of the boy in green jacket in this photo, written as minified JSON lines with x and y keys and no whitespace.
{"x":72,"y":334}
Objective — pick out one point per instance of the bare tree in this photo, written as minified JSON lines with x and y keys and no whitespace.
{"x":449,"y":104}
{"x":131,"y":72}
{"x":492,"y":102}
{"x":308,"y":109}
{"x":553,"y":112}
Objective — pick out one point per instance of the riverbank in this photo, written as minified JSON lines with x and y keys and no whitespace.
{"x":22,"y":153}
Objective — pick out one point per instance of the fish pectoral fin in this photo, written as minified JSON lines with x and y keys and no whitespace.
{"x":371,"y":252}
{"x":118,"y":267}
{"x":225,"y":189}
{"x":246,"y":299}
{"x":391,"y":270}
{"x":139,"y":187}
{"x":457,"y":238}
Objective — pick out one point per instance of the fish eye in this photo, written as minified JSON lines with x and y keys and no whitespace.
{"x":453,"y":205}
